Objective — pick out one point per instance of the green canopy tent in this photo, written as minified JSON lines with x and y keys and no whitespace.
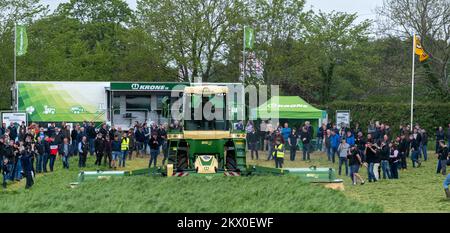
{"x":288,"y":107}
{"x":291,"y":109}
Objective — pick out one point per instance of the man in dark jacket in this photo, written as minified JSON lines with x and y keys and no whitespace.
{"x":91,"y":135}
{"x":116,"y":151}
{"x":103,"y":130}
{"x":59,"y":136}
{"x":424,"y":143}
{"x":40,"y":153}
{"x":12,"y":131}
{"x":99,"y":144}
{"x":440,"y":135}
{"x":163,"y":142}
{"x":253,"y":143}
{"x":65,"y":151}
{"x":442,"y":158}
{"x":51,"y":130}
{"x":10,"y":156}
{"x":25,"y":158}
{"x":371,"y":158}
{"x":83,"y":149}
{"x":385,"y":153}
{"x":108,"y":151}
{"x":414,"y":151}
{"x":5,"y":172}
{"x":139,"y":136}
{"x":46,"y":155}
{"x":74,"y":137}
{"x":305,"y":139}
{"x":146,"y":131}
{"x":154,"y":149}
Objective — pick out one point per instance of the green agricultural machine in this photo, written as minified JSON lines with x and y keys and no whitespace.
{"x":212,"y":147}
{"x":206,"y":146}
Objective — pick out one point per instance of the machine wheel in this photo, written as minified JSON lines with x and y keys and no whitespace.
{"x":182,"y":162}
{"x":231,"y":163}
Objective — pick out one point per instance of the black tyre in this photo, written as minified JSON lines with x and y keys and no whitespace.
{"x":182,"y":162}
{"x":231,"y":163}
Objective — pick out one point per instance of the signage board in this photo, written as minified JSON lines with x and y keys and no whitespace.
{"x":342,"y":118}
{"x":14,"y":117}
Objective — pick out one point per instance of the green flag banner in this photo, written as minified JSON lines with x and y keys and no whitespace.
{"x":21,"y":40}
{"x":249,"y":37}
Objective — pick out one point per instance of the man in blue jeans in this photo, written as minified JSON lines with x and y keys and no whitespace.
{"x":91,"y":134}
{"x":446,"y":183}
{"x":385,"y":153}
{"x":371,"y":154}
{"x":343,"y":151}
{"x":334,"y":142}
{"x":154,"y":150}
{"x":424,"y":143}
{"x":305,"y":138}
{"x":414,"y":151}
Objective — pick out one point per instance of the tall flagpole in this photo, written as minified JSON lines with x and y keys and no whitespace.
{"x":243,"y":59}
{"x":412,"y":79}
{"x":15,"y":78}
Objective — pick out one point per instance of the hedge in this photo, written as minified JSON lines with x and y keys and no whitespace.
{"x":428,"y":115}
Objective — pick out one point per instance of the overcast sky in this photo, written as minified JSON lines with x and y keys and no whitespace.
{"x":364,"y":8}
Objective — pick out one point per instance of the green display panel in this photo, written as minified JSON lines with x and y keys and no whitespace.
{"x":63,"y":101}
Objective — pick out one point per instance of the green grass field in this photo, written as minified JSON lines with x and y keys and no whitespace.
{"x":417,"y":190}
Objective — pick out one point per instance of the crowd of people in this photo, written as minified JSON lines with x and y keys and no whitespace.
{"x":382,"y":150}
{"x":29,"y":150}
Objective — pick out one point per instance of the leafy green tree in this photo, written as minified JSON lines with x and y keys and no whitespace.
{"x":332,"y":35}
{"x":193,"y":33}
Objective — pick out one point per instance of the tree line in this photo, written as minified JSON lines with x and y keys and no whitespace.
{"x":320,"y":56}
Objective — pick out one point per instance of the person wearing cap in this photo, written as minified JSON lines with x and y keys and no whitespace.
{"x":278,"y":153}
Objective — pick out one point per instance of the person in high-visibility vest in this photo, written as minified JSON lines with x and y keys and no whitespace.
{"x":124,"y":147}
{"x":278,"y":153}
